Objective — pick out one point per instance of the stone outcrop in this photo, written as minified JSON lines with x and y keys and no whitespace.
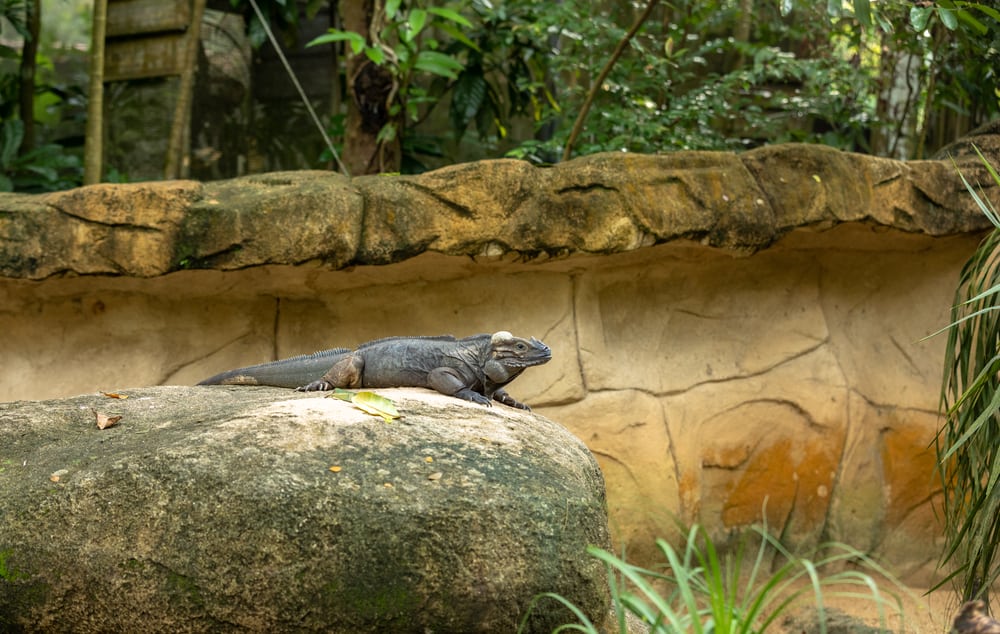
{"x":734,"y":335}
{"x":258,"y":509}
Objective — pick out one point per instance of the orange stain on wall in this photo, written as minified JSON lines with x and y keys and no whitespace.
{"x":788,"y":476}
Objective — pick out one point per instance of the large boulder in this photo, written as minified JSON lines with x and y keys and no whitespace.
{"x":233,"y":508}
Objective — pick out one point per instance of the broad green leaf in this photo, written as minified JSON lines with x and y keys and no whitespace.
{"x":990,"y":11}
{"x":456,"y":33}
{"x":375,"y":54}
{"x":46,"y":172}
{"x":391,"y":8}
{"x":403,"y":56}
{"x":415,"y":24}
{"x":356,"y":40}
{"x":973,"y":23}
{"x":372,"y":403}
{"x":438,"y":64}
{"x":919,"y":16}
{"x":256,"y":33}
{"x":450,"y":14}
{"x":948,"y":18}
{"x":467,"y":97}
{"x":883,"y":23}
{"x":862,"y":11}
{"x":387,"y":133}
{"x":10,"y":139}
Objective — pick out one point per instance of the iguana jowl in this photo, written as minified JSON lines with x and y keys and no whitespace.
{"x":475,"y":368}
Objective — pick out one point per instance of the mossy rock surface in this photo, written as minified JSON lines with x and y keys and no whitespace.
{"x":229,"y":508}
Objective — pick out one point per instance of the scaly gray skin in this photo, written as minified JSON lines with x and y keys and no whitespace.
{"x":291,"y":372}
{"x":475,"y":368}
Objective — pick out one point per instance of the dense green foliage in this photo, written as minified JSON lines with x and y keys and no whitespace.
{"x":476,"y":79}
{"x":705,"y":75}
{"x":53,"y":162}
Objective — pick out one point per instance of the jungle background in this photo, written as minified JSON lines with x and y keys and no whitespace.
{"x":407,"y":86}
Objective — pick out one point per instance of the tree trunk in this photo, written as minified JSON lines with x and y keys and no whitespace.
{"x":33,"y":18}
{"x":741,"y":33}
{"x":177,"y":160}
{"x":369,"y":88}
{"x":93,"y":159}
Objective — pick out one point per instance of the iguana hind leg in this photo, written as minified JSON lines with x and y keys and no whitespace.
{"x":348,"y":372}
{"x":447,"y":381}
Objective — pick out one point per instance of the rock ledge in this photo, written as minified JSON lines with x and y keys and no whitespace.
{"x":604,"y":203}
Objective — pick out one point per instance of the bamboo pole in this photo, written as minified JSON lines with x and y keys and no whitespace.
{"x":93,"y":158}
{"x":182,"y":111}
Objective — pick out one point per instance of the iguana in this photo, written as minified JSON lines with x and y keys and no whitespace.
{"x":475,"y":368}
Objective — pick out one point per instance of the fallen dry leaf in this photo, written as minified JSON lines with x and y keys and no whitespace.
{"x":115,"y":395}
{"x":335,"y":469}
{"x":103,"y":420}
{"x":437,"y":475}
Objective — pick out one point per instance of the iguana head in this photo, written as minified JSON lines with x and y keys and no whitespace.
{"x":515,"y":352}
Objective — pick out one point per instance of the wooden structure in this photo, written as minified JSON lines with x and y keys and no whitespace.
{"x":146,"y":38}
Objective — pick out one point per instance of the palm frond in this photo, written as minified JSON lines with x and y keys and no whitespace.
{"x":968,"y":444}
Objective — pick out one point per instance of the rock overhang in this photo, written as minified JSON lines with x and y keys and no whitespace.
{"x":600,"y":204}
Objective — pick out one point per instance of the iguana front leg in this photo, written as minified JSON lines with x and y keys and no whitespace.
{"x":449,"y":381}
{"x":347,"y":372}
{"x":505,"y":398}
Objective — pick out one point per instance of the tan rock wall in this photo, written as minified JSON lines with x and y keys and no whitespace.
{"x":705,"y":382}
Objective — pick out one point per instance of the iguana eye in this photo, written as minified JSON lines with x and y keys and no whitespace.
{"x":520,"y":346}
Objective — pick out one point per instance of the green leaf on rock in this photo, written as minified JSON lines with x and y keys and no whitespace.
{"x":342,"y":394}
{"x":377,"y":405}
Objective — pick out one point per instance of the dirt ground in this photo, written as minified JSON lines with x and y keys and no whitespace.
{"x":923,"y":613}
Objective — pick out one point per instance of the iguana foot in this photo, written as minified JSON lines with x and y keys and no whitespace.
{"x":505,"y":398}
{"x":472,"y":395}
{"x":316,"y":386}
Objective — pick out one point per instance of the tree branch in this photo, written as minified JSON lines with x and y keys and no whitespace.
{"x":578,"y":124}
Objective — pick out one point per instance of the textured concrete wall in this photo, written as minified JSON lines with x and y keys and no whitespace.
{"x":705,"y":382}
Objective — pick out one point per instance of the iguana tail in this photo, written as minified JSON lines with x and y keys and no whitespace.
{"x":292,"y":372}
